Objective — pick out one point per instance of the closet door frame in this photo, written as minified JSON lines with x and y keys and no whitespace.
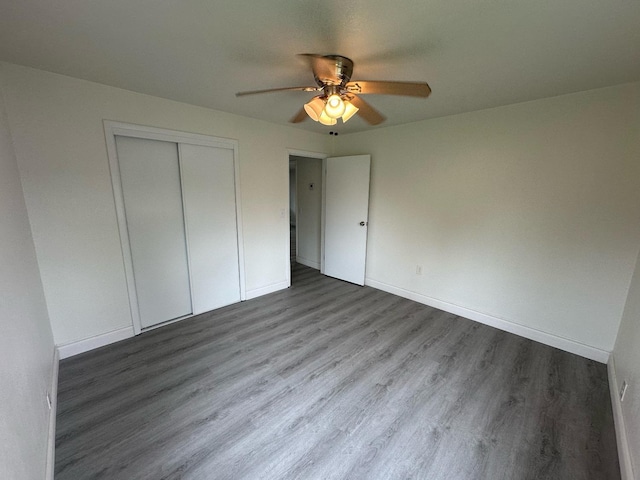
{"x":111,"y":130}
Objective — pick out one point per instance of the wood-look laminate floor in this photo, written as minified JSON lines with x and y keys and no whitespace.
{"x":327,"y":380}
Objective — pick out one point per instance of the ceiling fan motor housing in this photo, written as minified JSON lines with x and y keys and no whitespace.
{"x":339,"y":75}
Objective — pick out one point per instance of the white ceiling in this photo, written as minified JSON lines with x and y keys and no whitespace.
{"x":475,"y":54}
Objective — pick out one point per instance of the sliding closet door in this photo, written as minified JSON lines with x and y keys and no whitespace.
{"x":150,"y":178}
{"x":210,"y":210}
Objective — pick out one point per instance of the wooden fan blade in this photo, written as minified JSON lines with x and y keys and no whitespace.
{"x":284,"y":89}
{"x":366,"y":111}
{"x":411,"y":89}
{"x":300,"y":116}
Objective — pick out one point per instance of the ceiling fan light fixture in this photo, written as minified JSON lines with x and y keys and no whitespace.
{"x":314,"y":108}
{"x":350,"y":111}
{"x":335,"y":106}
{"x":326,"y":119}
{"x":339,"y":96}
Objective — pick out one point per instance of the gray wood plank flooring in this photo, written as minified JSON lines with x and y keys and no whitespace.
{"x":328,"y":380}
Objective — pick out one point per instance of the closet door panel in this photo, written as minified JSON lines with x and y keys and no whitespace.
{"x":208,"y":183}
{"x":150,"y":178}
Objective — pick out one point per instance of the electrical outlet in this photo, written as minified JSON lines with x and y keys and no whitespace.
{"x":623,"y":390}
{"x":418,"y":269}
{"x":49,"y":400}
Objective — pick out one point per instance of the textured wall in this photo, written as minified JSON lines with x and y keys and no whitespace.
{"x":57,"y":126}
{"x":627,"y":362}
{"x":26,"y":342}
{"x":527,"y":213}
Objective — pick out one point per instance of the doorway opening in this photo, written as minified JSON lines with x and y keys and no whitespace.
{"x":305,"y":211}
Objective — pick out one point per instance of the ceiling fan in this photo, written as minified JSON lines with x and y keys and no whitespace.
{"x":339,"y":97}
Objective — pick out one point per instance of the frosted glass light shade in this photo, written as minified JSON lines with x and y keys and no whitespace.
{"x":349,"y":111}
{"x":314,"y":108}
{"x":326,"y":119}
{"x":335,"y":106}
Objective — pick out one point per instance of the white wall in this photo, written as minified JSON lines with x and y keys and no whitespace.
{"x":26,"y":342}
{"x":627,"y":367}
{"x":59,"y":141}
{"x":527,"y":213}
{"x":309,"y":171}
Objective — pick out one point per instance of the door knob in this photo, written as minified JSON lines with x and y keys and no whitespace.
{"x":362,"y":224}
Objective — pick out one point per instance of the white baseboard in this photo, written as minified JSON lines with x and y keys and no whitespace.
{"x":308,"y":263}
{"x":81,"y":346}
{"x":624,"y":454}
{"x":53,"y":395}
{"x":258,"y":292}
{"x":562,"y":343}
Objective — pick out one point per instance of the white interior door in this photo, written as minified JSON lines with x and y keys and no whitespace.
{"x":208,"y":183}
{"x":150,"y":178}
{"x":346,"y":217}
